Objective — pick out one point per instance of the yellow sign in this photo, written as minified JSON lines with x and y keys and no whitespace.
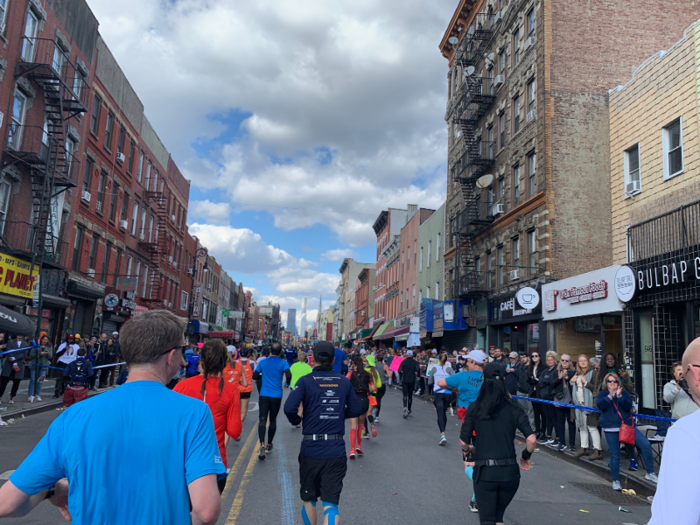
{"x":14,"y":276}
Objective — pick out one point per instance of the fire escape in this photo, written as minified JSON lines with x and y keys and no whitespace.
{"x":157,"y":244}
{"x":470,"y":103}
{"x":43,"y":152}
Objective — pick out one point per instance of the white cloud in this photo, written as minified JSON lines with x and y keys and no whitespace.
{"x":211,"y":212}
{"x":337,"y":255}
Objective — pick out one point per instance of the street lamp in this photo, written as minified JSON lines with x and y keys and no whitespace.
{"x":199,"y":253}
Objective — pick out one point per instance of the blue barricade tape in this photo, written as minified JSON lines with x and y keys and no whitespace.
{"x":19,"y":350}
{"x":589,"y":409}
{"x":94,"y":367}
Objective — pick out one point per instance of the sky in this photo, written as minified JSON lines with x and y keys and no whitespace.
{"x":296,"y":121}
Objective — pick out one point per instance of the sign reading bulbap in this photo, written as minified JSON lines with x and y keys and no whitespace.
{"x":670,"y":274}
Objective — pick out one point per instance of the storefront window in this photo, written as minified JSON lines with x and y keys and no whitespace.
{"x":533,"y":337}
{"x":696,"y":320}
{"x":646,"y":343}
{"x":576,"y":336}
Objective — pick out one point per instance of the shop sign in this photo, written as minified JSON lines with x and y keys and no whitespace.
{"x":670,"y":274}
{"x":414,"y":325}
{"x":449,"y":312}
{"x":197,"y":300}
{"x":625,"y":284}
{"x":15,"y":278}
{"x":118,"y":301}
{"x":581,"y":295}
{"x":512,"y":308}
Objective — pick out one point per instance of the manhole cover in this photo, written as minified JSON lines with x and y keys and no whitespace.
{"x":611,"y":496}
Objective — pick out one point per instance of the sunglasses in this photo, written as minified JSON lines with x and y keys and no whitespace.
{"x":535,"y":355}
{"x":566,"y":360}
{"x":613,"y":381}
{"x":181,"y":348}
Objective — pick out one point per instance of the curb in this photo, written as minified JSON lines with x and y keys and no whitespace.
{"x":38,"y":409}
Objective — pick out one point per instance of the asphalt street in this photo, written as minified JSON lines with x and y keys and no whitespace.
{"x":403,"y":478}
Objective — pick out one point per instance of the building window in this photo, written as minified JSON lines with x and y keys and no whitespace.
{"x":633,"y":177}
{"x":132,"y":150}
{"x":413,"y":298}
{"x":93,"y":252}
{"x":142,"y":229}
{"x":502,"y":62}
{"x":105,"y":262}
{"x":109,"y":129}
{"x":502,"y":129}
{"x":516,"y":114}
{"x":531,"y":252}
{"x":532,"y":174}
{"x":530,"y":18}
{"x":86,"y":176}
{"x":489,"y":75}
{"x":420,"y":264}
{"x":516,"y":47}
{"x":140,"y":172}
{"x":113,"y":203}
{"x":437,"y":247}
{"x":95,"y":118}
{"x":101,"y":192}
{"x":134,"y":217}
{"x":489,"y":268}
{"x":437,"y":291}
{"x":5,"y":192}
{"x":19,"y":110}
{"x":30,"y":30}
{"x":430,"y":245}
{"x":117,"y":267}
{"x":672,"y":136}
{"x":530,"y":100}
{"x":145,"y":281}
{"x":129,"y":262}
{"x":76,"y":248}
{"x":3,"y":13}
{"x":501,"y":188}
{"x":184,"y":300}
{"x":515,"y":251}
{"x":125,"y":208}
{"x":500,"y":262}
{"x":408,"y":258}
{"x":122,"y":138}
{"x":427,"y":292}
{"x":516,"y":184}
{"x":491,"y":143}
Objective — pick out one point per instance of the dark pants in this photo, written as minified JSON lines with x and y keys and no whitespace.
{"x":268,"y":406}
{"x":15,"y":378}
{"x":538,"y":408}
{"x":550,"y":417}
{"x":493,"y":497}
{"x":104,"y":375}
{"x":563,"y":418}
{"x":408,"y":389}
{"x":421,"y":385}
{"x":442,"y":402}
{"x":60,"y":381}
{"x":380,"y":394}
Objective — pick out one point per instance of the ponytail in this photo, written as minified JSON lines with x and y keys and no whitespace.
{"x":214,"y":359}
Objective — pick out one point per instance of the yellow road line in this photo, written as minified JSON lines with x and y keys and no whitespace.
{"x":239,"y":461}
{"x":238,"y":501}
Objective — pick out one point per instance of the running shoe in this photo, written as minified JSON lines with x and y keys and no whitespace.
{"x":365,"y":435}
{"x":269,"y":447}
{"x":30,"y":399}
{"x":261,"y":452}
{"x":405,"y":412}
{"x":409,"y":412}
{"x":549,"y":441}
{"x":652,"y":477}
{"x":452,"y":411}
{"x":542,"y":440}
{"x":562,"y":448}
{"x":359,"y":451}
{"x":472,"y":506}
{"x":616,"y":486}
{"x":376,"y":419}
{"x":352,"y":454}
{"x":633,"y":465}
{"x":374,"y":431}
{"x":38,"y":398}
{"x":2,"y":423}
{"x":11,"y":401}
{"x":443,"y":440}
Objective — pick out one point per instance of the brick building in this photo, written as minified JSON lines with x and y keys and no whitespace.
{"x":364,"y":300}
{"x":655,"y":192}
{"x":527,"y":104}
{"x":408,"y":269}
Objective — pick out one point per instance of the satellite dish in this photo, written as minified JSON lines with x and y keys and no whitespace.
{"x":469,"y":71}
{"x":453,"y":40}
{"x":490,"y":57}
{"x":484,"y":182}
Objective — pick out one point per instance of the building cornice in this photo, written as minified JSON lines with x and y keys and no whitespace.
{"x":460,"y":21}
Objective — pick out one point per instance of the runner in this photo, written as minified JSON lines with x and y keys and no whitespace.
{"x":374,"y":386}
{"x":221,"y":396}
{"x":235,"y":375}
{"x":77,"y":375}
{"x":381,"y":384}
{"x":443,"y":396}
{"x":300,"y":368}
{"x":248,"y":367}
{"x":322,"y":460}
{"x":193,"y":363}
{"x":264,"y":354}
{"x":410,"y":370}
{"x":493,"y":418}
{"x":290,"y":355}
{"x":360,"y":380}
{"x":271,"y":370}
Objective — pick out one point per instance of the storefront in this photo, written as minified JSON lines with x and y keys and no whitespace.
{"x":117,"y":307}
{"x":83,"y":316}
{"x":515,"y":322}
{"x":583,"y":315}
{"x":444,"y":323}
{"x":197,"y":330}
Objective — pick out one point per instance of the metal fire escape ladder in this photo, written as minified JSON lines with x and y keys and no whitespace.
{"x":157,"y":247}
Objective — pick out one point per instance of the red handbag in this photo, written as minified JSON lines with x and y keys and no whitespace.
{"x":626,"y":430}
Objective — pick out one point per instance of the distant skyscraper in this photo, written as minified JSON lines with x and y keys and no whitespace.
{"x":303,"y":327}
{"x":292,"y":321}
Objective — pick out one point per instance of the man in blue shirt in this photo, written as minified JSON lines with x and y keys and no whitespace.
{"x":271,"y":370}
{"x":291,"y":355}
{"x":151,"y":451}
{"x":339,"y":358}
{"x":328,"y":400}
{"x":193,"y":363}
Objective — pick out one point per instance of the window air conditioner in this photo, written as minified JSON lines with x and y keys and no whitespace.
{"x":170,"y":259}
{"x":497,"y":209}
{"x":172,"y":218}
{"x":529,"y":42}
{"x":514,"y":275}
{"x":499,"y":80}
{"x":190,"y":271}
{"x":123,"y":224}
{"x":86,"y":196}
{"x":98,"y":206}
{"x":531,"y":114}
{"x":141,"y":237}
{"x":121,"y":158}
{"x":633,"y":187}
{"x":209,"y":287}
{"x":91,"y":272}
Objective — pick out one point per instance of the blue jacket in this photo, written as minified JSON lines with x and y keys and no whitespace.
{"x":79,"y":371}
{"x":609,"y":418}
{"x":329,"y":400}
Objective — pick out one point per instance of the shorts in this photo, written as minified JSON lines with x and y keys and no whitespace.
{"x":245,"y":395}
{"x":322,"y":478}
{"x":364,"y":402}
{"x":74,"y":394}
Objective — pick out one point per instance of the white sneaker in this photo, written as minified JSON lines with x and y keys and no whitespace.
{"x":652,"y":477}
{"x":443,"y":440}
{"x":616,"y":486}
{"x":2,"y":423}
{"x":452,"y":411}
{"x":38,"y":398}
{"x":31,"y":399}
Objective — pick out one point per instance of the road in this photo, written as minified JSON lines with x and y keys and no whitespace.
{"x":403,"y":478}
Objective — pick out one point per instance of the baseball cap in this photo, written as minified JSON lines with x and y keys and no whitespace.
{"x":409,"y":352}
{"x":77,"y":336}
{"x":115,"y":333}
{"x":513,"y":355}
{"x":434,"y":351}
{"x":363,"y":351}
{"x":477,"y":356}
{"x":324,"y":350}
{"x":493,"y":371}
{"x":69,"y":336}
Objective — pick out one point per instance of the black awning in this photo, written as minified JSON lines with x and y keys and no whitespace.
{"x":80,"y":290}
{"x":55,"y":302}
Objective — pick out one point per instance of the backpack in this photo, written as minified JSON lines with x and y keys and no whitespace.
{"x":79,"y":375}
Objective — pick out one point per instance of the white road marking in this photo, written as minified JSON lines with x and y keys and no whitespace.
{"x":6,"y":475}
{"x":252,"y":406}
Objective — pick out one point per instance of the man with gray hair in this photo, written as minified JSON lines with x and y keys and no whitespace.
{"x":151,"y":451}
{"x":677,"y":499}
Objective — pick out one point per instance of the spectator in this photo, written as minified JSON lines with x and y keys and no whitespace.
{"x":533,"y":378}
{"x":13,"y":367}
{"x":512,"y":373}
{"x":67,"y":353}
{"x":525,"y":389}
{"x":564,"y":414}
{"x":583,"y":385}
{"x":550,"y":384}
{"x":615,"y":405}
{"x":676,"y":395}
{"x":151,"y":451}
{"x":78,"y":375}
{"x":40,"y":361}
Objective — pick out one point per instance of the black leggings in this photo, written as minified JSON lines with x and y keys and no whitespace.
{"x":442,"y":402}
{"x":539,"y":417}
{"x":550,"y":417}
{"x":380,"y":394}
{"x":271,"y":406}
{"x":564,"y":417}
{"x":493,"y":497}
{"x":408,"y":389}
{"x":15,"y":378}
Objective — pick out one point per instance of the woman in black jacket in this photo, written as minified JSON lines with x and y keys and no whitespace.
{"x":534,"y":371}
{"x":550,"y":384}
{"x":563,"y":414}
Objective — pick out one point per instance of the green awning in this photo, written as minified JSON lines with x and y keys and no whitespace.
{"x":216,"y":328}
{"x":382,"y":329}
{"x":364,"y":333}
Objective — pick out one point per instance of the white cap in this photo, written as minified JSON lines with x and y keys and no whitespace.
{"x":477,"y":356}
{"x":409,"y":352}
{"x":434,"y":351}
{"x":363,"y":351}
{"x":115,"y":333}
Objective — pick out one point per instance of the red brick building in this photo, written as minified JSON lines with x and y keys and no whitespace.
{"x":408,"y":275}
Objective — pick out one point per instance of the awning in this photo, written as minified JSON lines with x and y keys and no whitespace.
{"x":218,"y":334}
{"x":403,"y":337}
{"x":364,"y":333}
{"x":81,"y":290}
{"x":52,"y":301}
{"x":393,"y":333}
{"x":382,"y":329}
{"x":217,"y":328}
{"x":199,"y":327}
{"x":358,"y":341}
